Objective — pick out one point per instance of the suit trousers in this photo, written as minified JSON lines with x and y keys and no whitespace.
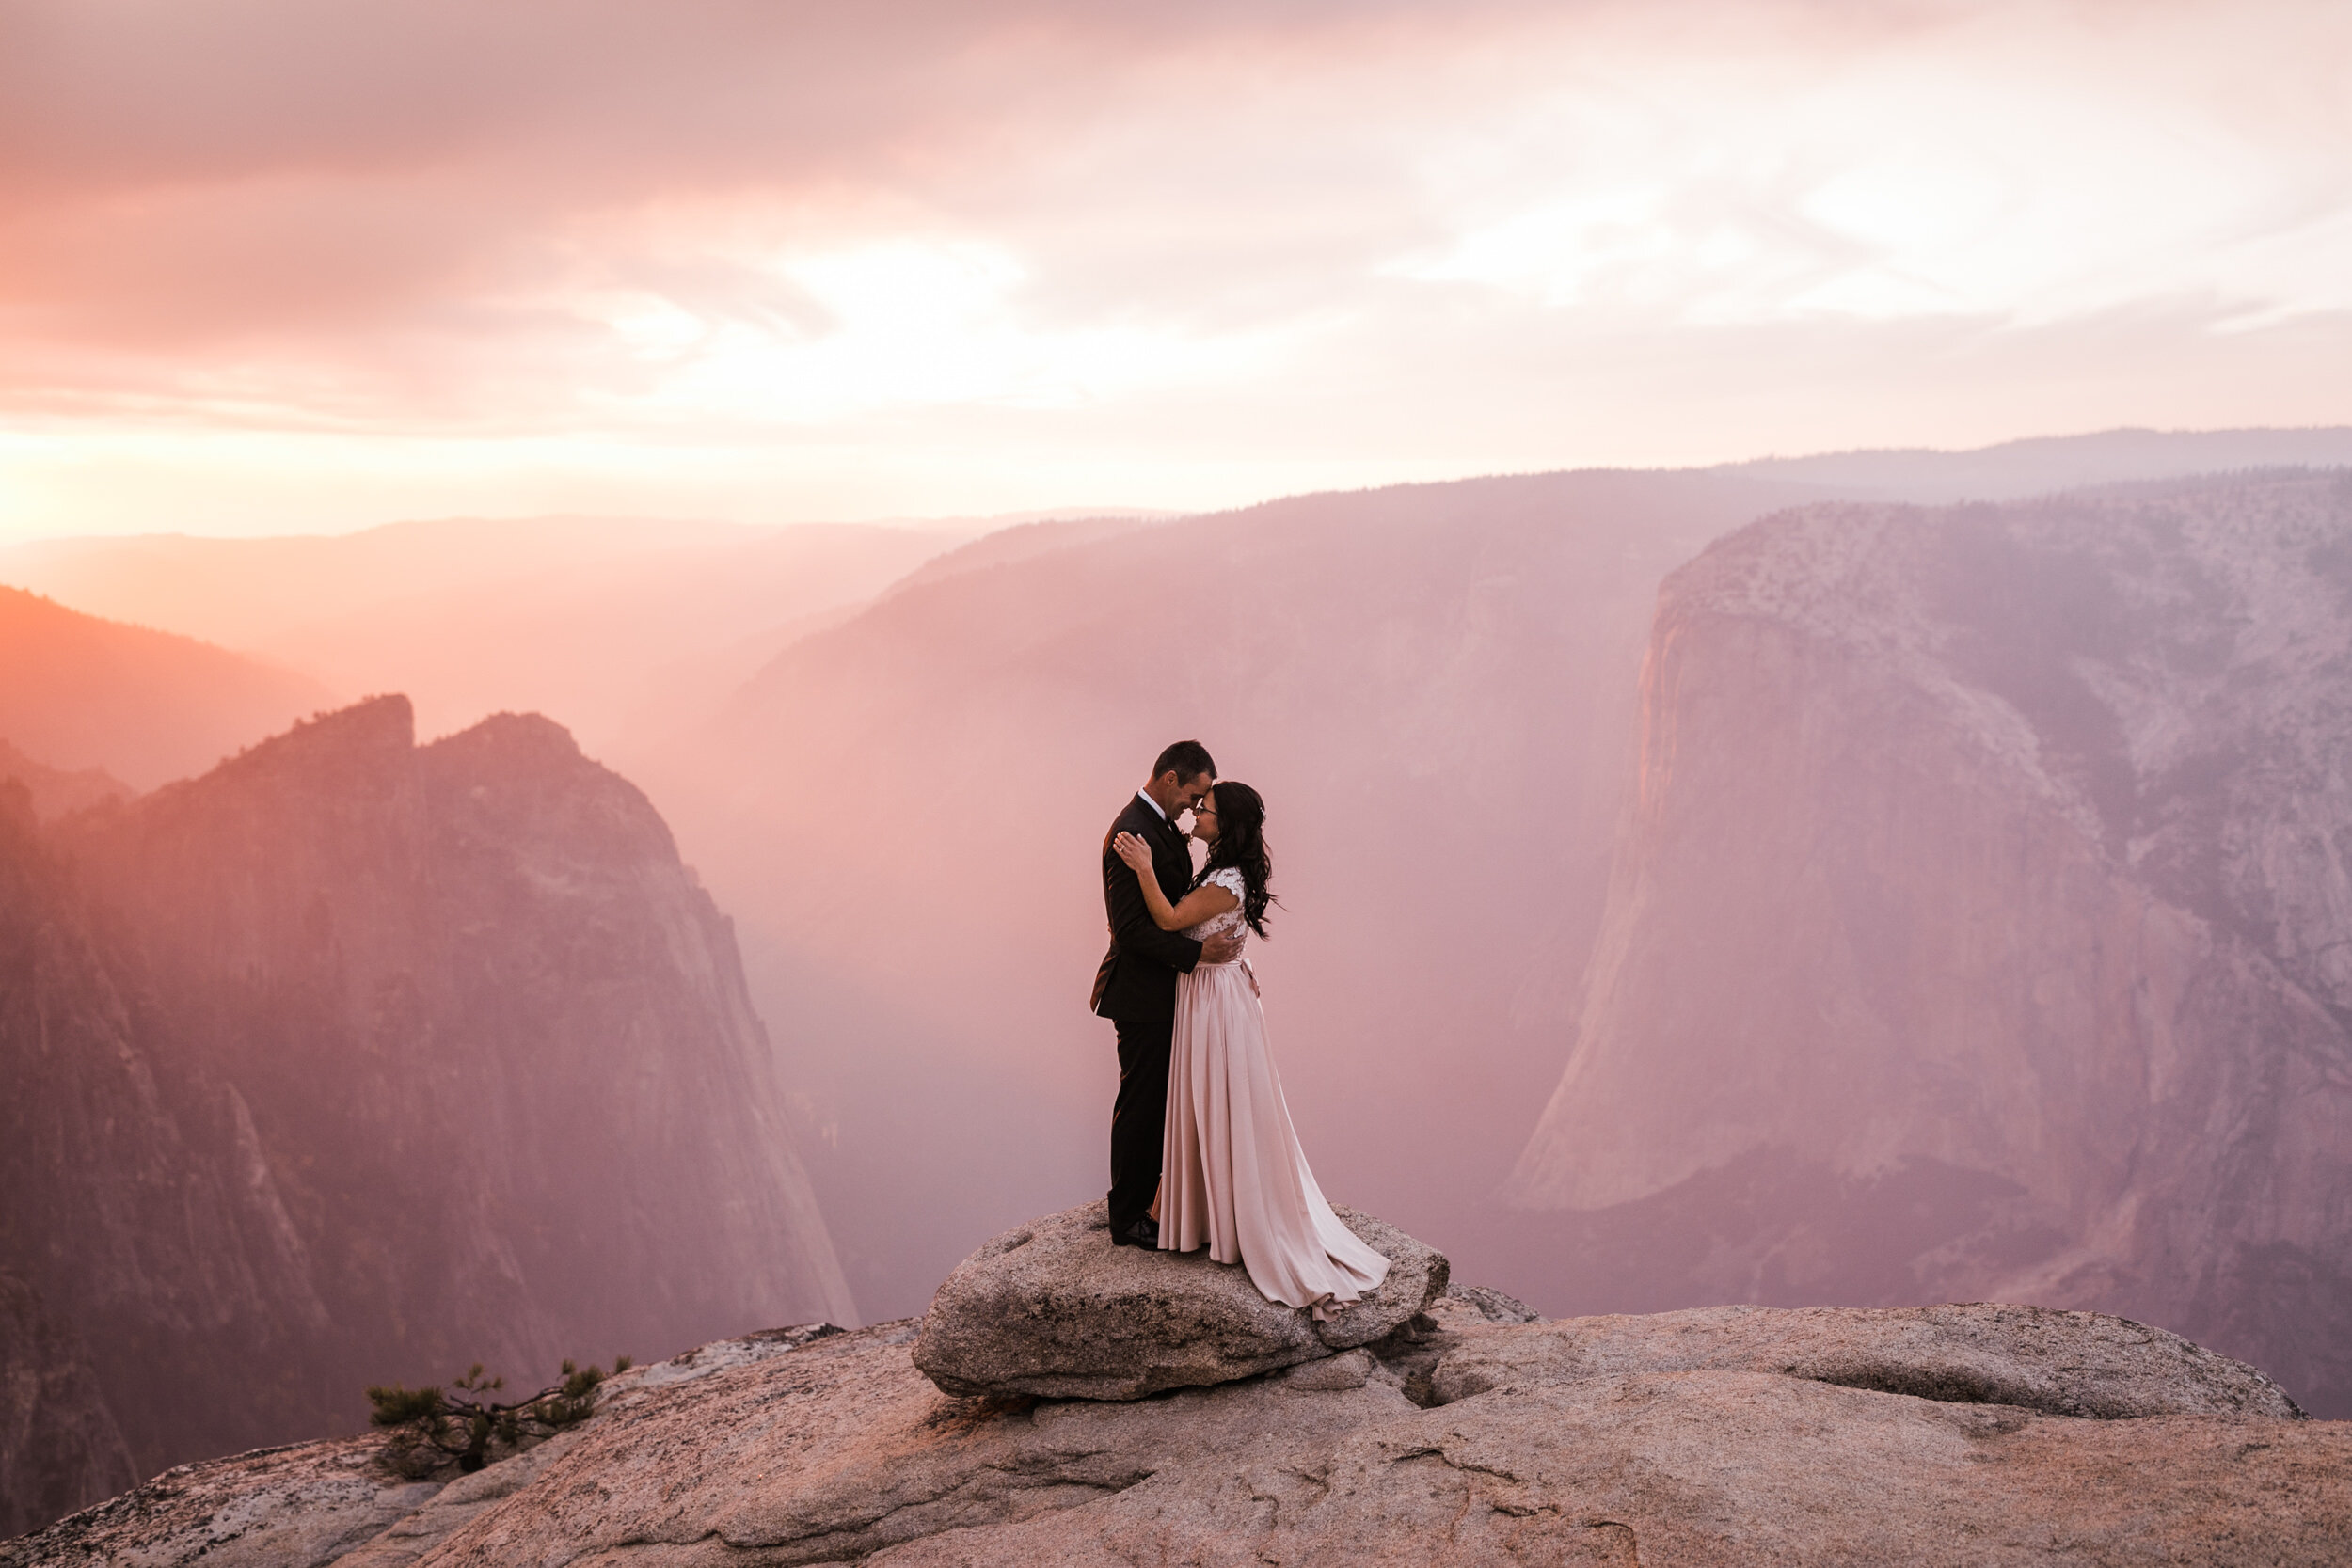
{"x":1139,"y":1118}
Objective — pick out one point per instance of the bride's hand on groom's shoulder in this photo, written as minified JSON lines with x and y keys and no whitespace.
{"x":1136,"y":853}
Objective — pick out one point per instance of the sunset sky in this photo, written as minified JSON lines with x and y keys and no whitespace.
{"x":283,"y":266}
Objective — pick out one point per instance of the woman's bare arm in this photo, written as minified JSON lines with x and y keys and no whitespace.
{"x":1196,"y":906}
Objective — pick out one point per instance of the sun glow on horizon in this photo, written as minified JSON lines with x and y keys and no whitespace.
{"x":768,"y":269}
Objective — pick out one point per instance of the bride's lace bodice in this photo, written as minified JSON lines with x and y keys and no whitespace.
{"x":1229,"y":879}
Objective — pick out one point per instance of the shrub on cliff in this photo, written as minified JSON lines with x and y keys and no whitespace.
{"x":433,"y":1425}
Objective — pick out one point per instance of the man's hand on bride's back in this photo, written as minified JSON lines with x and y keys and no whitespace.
{"x":1136,"y":853}
{"x":1221,"y":949}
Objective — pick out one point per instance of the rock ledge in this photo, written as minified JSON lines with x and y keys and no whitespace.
{"x":2081,"y":1364}
{"x":1051,"y":1309}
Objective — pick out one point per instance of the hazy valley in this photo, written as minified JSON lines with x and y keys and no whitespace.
{"x":1928,"y":892}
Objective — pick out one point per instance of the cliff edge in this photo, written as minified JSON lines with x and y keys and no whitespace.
{"x":1471,"y":1434}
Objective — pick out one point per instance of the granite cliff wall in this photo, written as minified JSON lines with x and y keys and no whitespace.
{"x":1979,"y":928}
{"x":356,"y":1061}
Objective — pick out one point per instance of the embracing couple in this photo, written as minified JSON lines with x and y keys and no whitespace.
{"x":1202,"y":1151}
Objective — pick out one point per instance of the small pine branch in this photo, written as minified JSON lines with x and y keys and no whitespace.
{"x":461,"y":1421}
{"x":395,"y":1405}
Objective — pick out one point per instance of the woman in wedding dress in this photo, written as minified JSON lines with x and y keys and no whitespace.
{"x":1231,"y":1174}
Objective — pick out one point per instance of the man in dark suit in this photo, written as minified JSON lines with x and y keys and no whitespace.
{"x":1135,"y":986}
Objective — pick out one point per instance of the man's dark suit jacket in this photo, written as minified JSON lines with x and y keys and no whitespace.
{"x":1136,"y":982}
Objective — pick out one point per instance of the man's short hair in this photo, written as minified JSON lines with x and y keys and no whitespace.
{"x":1187,"y":759}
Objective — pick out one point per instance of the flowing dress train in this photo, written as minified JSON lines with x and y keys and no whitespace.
{"x":1232,"y":1176}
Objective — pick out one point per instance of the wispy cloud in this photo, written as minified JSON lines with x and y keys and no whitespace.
{"x":780,"y":259}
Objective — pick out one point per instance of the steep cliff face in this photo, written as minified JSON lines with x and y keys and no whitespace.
{"x":1980,"y":927}
{"x":59,"y":1448}
{"x":126,"y":1222}
{"x":356,"y":1061}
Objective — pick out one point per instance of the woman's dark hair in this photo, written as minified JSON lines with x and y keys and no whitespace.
{"x":1241,"y":842}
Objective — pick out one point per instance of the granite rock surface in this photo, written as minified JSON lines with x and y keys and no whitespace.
{"x":1669,"y":1440}
{"x":2057,"y":1363}
{"x":1052,"y":1309}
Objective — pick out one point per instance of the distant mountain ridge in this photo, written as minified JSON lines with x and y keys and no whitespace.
{"x":578,"y":616}
{"x":2014,"y":470}
{"x":78,"y":693}
{"x":55,"y":791}
{"x":1018,"y":541}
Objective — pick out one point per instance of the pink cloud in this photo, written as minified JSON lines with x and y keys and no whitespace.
{"x":1154,"y":229}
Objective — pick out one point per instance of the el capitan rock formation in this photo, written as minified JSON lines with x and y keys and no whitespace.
{"x":1981,"y":927}
{"x":357,"y":1061}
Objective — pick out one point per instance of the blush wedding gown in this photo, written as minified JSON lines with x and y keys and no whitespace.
{"x":1233,"y":1174}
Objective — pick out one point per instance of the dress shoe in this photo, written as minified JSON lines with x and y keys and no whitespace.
{"x":1143,"y":1233}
